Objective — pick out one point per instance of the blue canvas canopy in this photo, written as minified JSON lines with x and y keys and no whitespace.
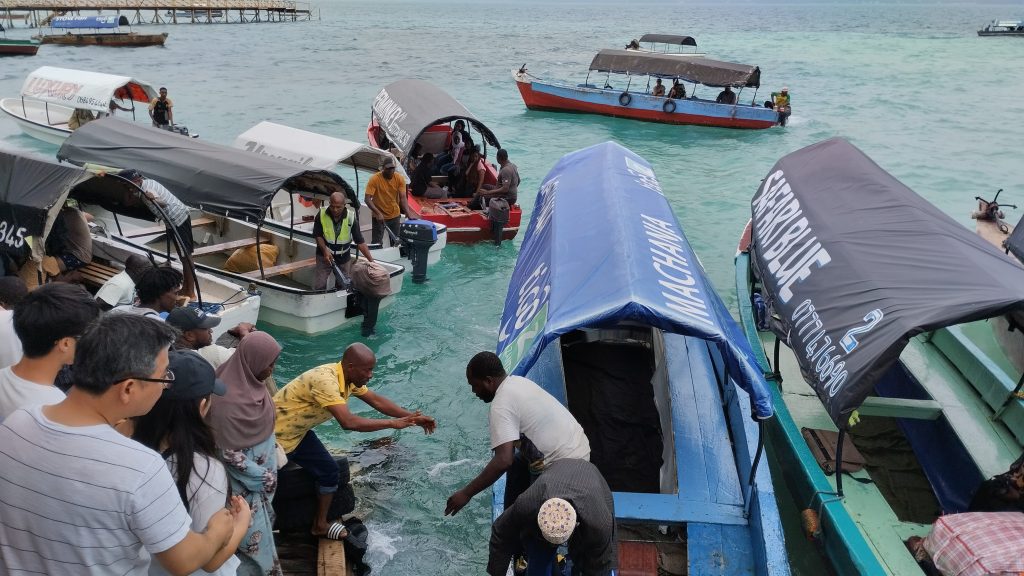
{"x":89,"y":21}
{"x":636,"y":266}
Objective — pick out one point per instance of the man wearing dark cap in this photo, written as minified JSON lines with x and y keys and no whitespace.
{"x":385,"y":196}
{"x":195,"y":332}
{"x":120,"y":289}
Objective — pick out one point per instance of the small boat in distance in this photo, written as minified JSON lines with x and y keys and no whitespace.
{"x":12,"y":47}
{"x":1003,"y":28}
{"x":640,"y":102}
{"x":609,"y":311}
{"x":669,"y":44}
{"x":410,"y":112}
{"x":50,"y":96}
{"x":71,"y":24}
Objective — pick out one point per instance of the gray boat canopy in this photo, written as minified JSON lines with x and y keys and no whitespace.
{"x":1015,"y":243}
{"x":854,"y":264}
{"x":404,"y":109}
{"x":669,"y":39}
{"x":700,"y":70}
{"x":213,"y":178}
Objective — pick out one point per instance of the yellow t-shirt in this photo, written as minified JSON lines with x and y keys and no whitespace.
{"x":386,"y":194}
{"x":302,"y":404}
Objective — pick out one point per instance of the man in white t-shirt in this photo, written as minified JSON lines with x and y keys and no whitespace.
{"x":78,"y":497}
{"x":157,"y":292}
{"x":12,"y":290}
{"x":120,"y":289}
{"x":523,"y":412}
{"x":48,"y":323}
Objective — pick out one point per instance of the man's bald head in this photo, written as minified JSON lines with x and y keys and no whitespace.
{"x":358,"y":362}
{"x":336,"y":204}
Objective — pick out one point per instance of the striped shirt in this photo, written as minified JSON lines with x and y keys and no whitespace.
{"x":82,"y":500}
{"x":176,"y":211}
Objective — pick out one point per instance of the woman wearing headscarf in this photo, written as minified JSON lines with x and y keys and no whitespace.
{"x":243,"y":428}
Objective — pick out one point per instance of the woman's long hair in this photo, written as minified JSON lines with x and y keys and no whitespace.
{"x":182,"y":426}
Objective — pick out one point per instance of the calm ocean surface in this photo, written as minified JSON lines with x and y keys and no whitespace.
{"x":912,"y":85}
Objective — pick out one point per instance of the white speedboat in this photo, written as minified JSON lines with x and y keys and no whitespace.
{"x":50,"y":96}
{"x":325,"y":152}
{"x":230,"y":191}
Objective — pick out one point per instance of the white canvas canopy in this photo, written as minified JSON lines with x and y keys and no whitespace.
{"x":83,"y":89}
{"x":309,"y":148}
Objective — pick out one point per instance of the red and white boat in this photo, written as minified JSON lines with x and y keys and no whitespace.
{"x":408,"y":112}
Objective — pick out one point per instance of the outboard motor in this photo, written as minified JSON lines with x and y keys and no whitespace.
{"x":418,"y":236}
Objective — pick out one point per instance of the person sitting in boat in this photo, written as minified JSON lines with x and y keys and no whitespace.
{"x":158,"y":293}
{"x":161,"y":109}
{"x":633,"y":45}
{"x":120,"y":289}
{"x":80,"y":117}
{"x":460,"y":128}
{"x":335,"y":230}
{"x":569,"y":503}
{"x":659,"y":89}
{"x":726,"y":96}
{"x":69,"y":245}
{"x":473,"y":176}
{"x":678,"y":91}
{"x":177,"y":214}
{"x":423,"y":185}
{"x":320,"y":394}
{"x":530,"y":430}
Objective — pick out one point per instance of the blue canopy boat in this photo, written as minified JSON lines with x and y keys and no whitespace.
{"x":73,"y":25}
{"x":609,"y":310}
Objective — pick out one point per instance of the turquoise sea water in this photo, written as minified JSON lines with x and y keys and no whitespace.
{"x":910,"y":84}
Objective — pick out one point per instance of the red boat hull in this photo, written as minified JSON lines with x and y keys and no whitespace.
{"x":465,"y":226}
{"x":550,"y":102}
{"x":20,"y":49}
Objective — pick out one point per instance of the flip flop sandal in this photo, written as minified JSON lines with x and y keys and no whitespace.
{"x":336,"y":531}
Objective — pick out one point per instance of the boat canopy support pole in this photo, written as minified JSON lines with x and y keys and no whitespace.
{"x":587,"y":81}
{"x":1014,"y":395}
{"x":776,"y":373}
{"x":259,"y":253}
{"x":291,"y":224}
{"x":753,"y":467}
{"x":839,"y":462}
{"x":753,"y":100}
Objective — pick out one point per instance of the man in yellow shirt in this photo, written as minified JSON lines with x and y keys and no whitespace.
{"x":385,"y":196}
{"x":322,"y":393}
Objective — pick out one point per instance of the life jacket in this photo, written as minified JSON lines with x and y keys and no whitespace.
{"x":160,"y":111}
{"x":340,"y":240}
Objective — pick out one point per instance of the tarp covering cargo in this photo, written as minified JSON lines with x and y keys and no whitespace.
{"x":637,"y":266}
{"x":699,"y":70}
{"x":83,"y":89}
{"x":855,"y":263}
{"x":404,"y":109}
{"x":213,"y":178}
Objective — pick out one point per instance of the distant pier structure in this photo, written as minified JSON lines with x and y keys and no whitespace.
{"x":35,"y":13}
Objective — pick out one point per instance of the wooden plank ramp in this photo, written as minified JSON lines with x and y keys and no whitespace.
{"x":304,"y":555}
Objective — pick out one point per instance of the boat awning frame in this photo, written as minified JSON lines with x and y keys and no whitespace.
{"x":700,"y":70}
{"x":406,"y":108}
{"x":853,"y":264}
{"x":84,"y":89}
{"x":636,"y":267}
{"x":210,"y":177}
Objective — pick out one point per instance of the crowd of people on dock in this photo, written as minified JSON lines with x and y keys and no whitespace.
{"x":133,"y":442}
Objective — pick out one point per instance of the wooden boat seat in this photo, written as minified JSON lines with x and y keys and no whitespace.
{"x":96,"y":274}
{"x":225,"y":246}
{"x":282,"y":269}
{"x":151,"y":230}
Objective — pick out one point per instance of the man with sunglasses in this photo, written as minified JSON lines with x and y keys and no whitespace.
{"x":76,"y":496}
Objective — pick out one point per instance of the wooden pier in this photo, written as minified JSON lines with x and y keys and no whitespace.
{"x":35,"y":13}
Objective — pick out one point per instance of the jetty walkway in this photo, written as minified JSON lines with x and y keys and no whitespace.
{"x":38,"y":12}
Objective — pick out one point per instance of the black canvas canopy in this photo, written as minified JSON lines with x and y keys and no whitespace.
{"x":854,"y":264}
{"x":404,"y":109}
{"x":699,"y":70}
{"x":213,"y":178}
{"x":669,"y":39}
{"x":32,"y":192}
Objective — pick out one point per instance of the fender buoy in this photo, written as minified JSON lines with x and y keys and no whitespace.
{"x":810,"y":523}
{"x":306,"y":201}
{"x":625,"y":98}
{"x":669,"y":106}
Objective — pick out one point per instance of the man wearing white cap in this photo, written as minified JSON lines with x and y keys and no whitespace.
{"x":569,"y":503}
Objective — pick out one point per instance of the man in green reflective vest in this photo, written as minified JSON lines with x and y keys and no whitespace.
{"x":335,"y":230}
